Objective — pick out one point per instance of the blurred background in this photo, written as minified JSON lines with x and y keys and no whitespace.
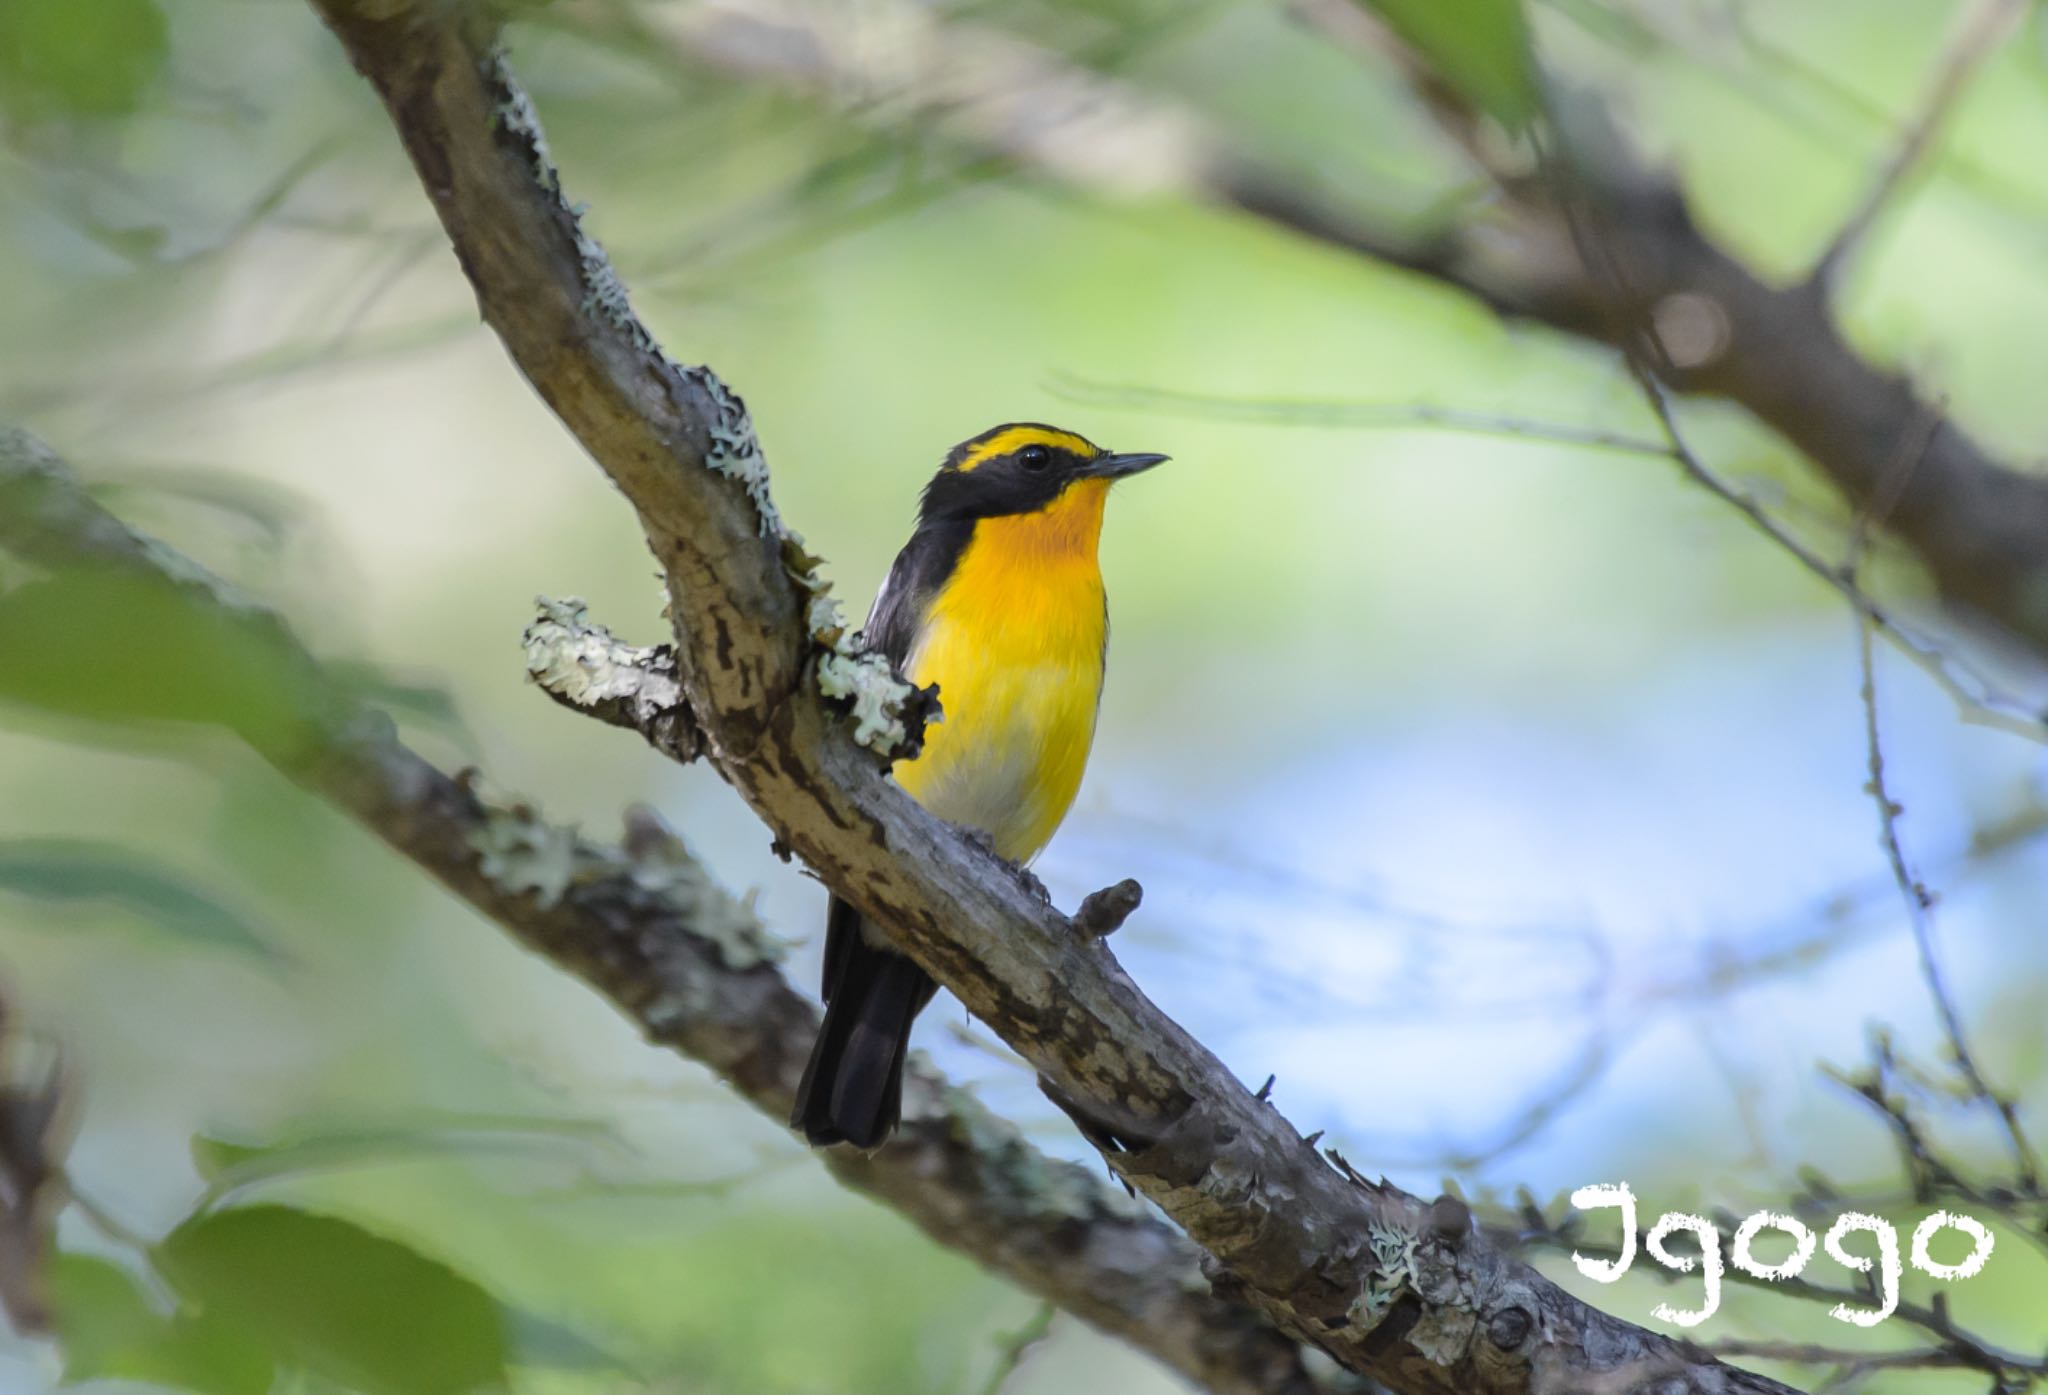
{"x":1501,"y":796}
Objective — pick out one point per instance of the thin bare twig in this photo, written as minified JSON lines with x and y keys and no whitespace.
{"x":1976,"y":36}
{"x":1641,"y":356}
{"x":1976,"y":696}
{"x":1973,"y":1350}
{"x":1919,"y":902}
{"x":1391,"y":416}
{"x":1013,"y":1347}
{"x":1815,"y":1354}
{"x":1978,"y":699}
{"x":1913,"y":892}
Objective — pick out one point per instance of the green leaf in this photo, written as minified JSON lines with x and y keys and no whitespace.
{"x":1479,"y":47}
{"x":108,"y":1330}
{"x":326,"y":1295}
{"x":79,"y":57}
{"x":62,"y":871}
{"x":119,"y":647}
{"x":215,"y":1158}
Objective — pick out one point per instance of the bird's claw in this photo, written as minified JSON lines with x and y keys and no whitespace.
{"x":1031,"y":882}
{"x":981,"y":839}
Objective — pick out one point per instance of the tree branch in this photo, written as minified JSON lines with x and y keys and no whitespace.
{"x":583,"y":668}
{"x":1359,"y":1269}
{"x":647,"y":926}
{"x":1974,"y":522}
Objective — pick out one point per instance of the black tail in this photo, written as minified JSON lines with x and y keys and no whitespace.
{"x":852,"y":1090}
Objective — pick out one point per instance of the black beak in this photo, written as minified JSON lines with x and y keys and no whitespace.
{"x":1116,"y":467}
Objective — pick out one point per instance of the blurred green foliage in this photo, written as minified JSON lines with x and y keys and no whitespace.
{"x":118,"y":648}
{"x":79,"y":58}
{"x":72,"y":871}
{"x":1480,"y":48}
{"x":110,"y":1328}
{"x":326,"y":1295}
{"x":344,"y":1137}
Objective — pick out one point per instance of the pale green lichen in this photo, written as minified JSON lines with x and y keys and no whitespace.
{"x":1391,"y":1271}
{"x":523,"y":855}
{"x":520,"y":854}
{"x":583,"y":664}
{"x":826,"y":621}
{"x":849,"y":672}
{"x":869,"y":681}
{"x":604,"y":295}
{"x":516,"y":117}
{"x":665,"y":867}
{"x":666,"y":1011}
{"x":734,"y":449}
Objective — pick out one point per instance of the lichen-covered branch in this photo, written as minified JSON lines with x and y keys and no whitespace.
{"x":646,"y":924}
{"x":1975,"y":522}
{"x":581,"y":666}
{"x":1364,"y":1271}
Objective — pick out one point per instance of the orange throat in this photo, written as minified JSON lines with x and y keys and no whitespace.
{"x":1066,"y":530}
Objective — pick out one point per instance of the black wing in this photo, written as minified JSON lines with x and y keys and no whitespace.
{"x":852,"y":1087}
{"x":906,"y":595}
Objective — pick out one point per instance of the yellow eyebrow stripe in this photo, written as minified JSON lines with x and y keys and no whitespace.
{"x":1018,"y":437}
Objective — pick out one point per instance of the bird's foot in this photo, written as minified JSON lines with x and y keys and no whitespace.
{"x":1031,"y":882}
{"x":982,"y":840}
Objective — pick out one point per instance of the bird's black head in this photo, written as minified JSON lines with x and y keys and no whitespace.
{"x":1020,"y":467}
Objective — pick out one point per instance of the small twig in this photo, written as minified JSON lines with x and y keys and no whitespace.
{"x":1814,"y":1354}
{"x":1891,"y":485}
{"x":1920,"y":912}
{"x":1919,"y":900}
{"x":1974,"y":694}
{"x":1644,"y":357}
{"x":1925,"y":1172}
{"x":1980,"y":32}
{"x":109,"y":1225}
{"x":1971,"y":1350}
{"x":1388,"y":416}
{"x":1986,"y":704}
{"x":582,"y":666}
{"x":1103,"y":912}
{"x":1012,"y":1348}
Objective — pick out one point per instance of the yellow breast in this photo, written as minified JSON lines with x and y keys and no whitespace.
{"x":1014,"y":640}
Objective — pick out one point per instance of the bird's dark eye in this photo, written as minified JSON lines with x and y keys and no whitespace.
{"x":1034,"y":457}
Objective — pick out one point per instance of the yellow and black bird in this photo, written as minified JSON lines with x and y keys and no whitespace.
{"x":998,"y":599}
